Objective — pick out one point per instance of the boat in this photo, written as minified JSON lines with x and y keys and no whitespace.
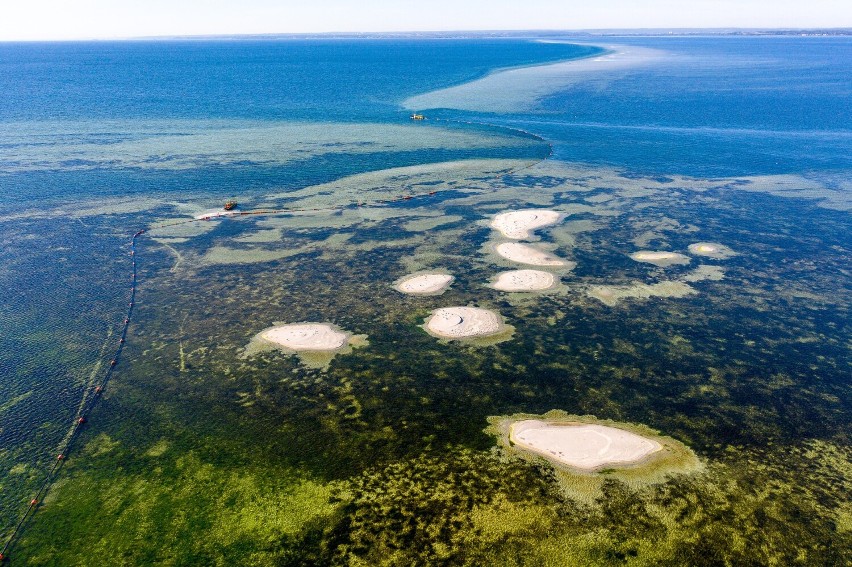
{"x":229,"y":205}
{"x":416,"y":116}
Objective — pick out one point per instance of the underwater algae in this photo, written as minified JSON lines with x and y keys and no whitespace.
{"x":380,"y":458}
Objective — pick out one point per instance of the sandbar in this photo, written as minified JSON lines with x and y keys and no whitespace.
{"x":520,"y":224}
{"x":612,"y":294}
{"x":524,"y":280}
{"x":215,"y":213}
{"x":520,"y":89}
{"x":711,"y":250}
{"x":660,"y":258}
{"x":463,"y":322}
{"x":581,"y":445}
{"x":424,"y":284}
{"x":307,"y":337}
{"x":526,"y":254}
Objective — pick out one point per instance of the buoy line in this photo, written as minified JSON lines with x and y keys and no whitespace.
{"x":90,"y":401}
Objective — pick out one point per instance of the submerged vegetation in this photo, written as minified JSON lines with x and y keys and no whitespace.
{"x":203,"y":455}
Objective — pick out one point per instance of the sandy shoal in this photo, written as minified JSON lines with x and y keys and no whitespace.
{"x":660,"y":258}
{"x":524,"y":280}
{"x":583,"y":446}
{"x":711,"y":250}
{"x":517,"y":90}
{"x":424,"y":283}
{"x":521,"y":224}
{"x":612,"y":294}
{"x":307,"y":337}
{"x":215,"y":213}
{"x":526,"y":254}
{"x":463,"y":322}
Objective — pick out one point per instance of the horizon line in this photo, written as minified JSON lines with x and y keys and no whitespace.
{"x":439,"y":34}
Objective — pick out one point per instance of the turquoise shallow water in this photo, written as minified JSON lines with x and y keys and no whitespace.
{"x":744,"y":141}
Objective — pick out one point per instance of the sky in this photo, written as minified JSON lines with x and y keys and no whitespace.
{"x":108,"y":19}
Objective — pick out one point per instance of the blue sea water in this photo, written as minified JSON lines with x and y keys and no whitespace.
{"x":712,"y":106}
{"x":84,"y":121}
{"x":329,"y":80}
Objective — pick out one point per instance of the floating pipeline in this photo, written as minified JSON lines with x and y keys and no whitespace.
{"x":86,"y":410}
{"x":79,"y":421}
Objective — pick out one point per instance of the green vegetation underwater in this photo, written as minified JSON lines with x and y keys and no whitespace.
{"x":200,"y":449}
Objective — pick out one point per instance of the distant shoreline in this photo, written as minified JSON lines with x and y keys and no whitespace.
{"x":479,"y":34}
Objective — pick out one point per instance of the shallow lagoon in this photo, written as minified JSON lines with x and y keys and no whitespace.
{"x":383,"y":457}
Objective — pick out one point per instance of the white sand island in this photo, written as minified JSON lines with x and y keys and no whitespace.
{"x":586,"y":452}
{"x":316,"y":344}
{"x":307,"y":337}
{"x":424,"y":284}
{"x":660,"y":258}
{"x":711,"y":250}
{"x":524,"y":280}
{"x":463,"y":322}
{"x":526,"y":254}
{"x":521,"y":224}
{"x":582,"y":445}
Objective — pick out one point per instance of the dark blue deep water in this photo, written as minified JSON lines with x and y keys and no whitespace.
{"x":718,"y":106}
{"x":267,"y":80}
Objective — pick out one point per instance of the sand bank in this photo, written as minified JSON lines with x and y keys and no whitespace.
{"x":580,"y":445}
{"x":316,"y":344}
{"x":612,"y":294}
{"x":306,"y":336}
{"x":520,"y":224}
{"x":214,"y":213}
{"x":526,"y":254}
{"x":463,"y":322}
{"x":424,"y":284}
{"x":660,"y":258}
{"x":523,"y":88}
{"x":711,"y":250}
{"x":587,"y":452}
{"x":524,"y":280}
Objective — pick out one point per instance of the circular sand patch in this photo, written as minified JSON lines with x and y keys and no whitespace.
{"x":521,"y":224}
{"x":526,"y":254}
{"x":463,"y":322}
{"x":711,"y":250}
{"x":582,"y":445}
{"x":524,"y":280}
{"x":424,"y":284}
{"x":306,"y":337}
{"x":660,"y":258}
